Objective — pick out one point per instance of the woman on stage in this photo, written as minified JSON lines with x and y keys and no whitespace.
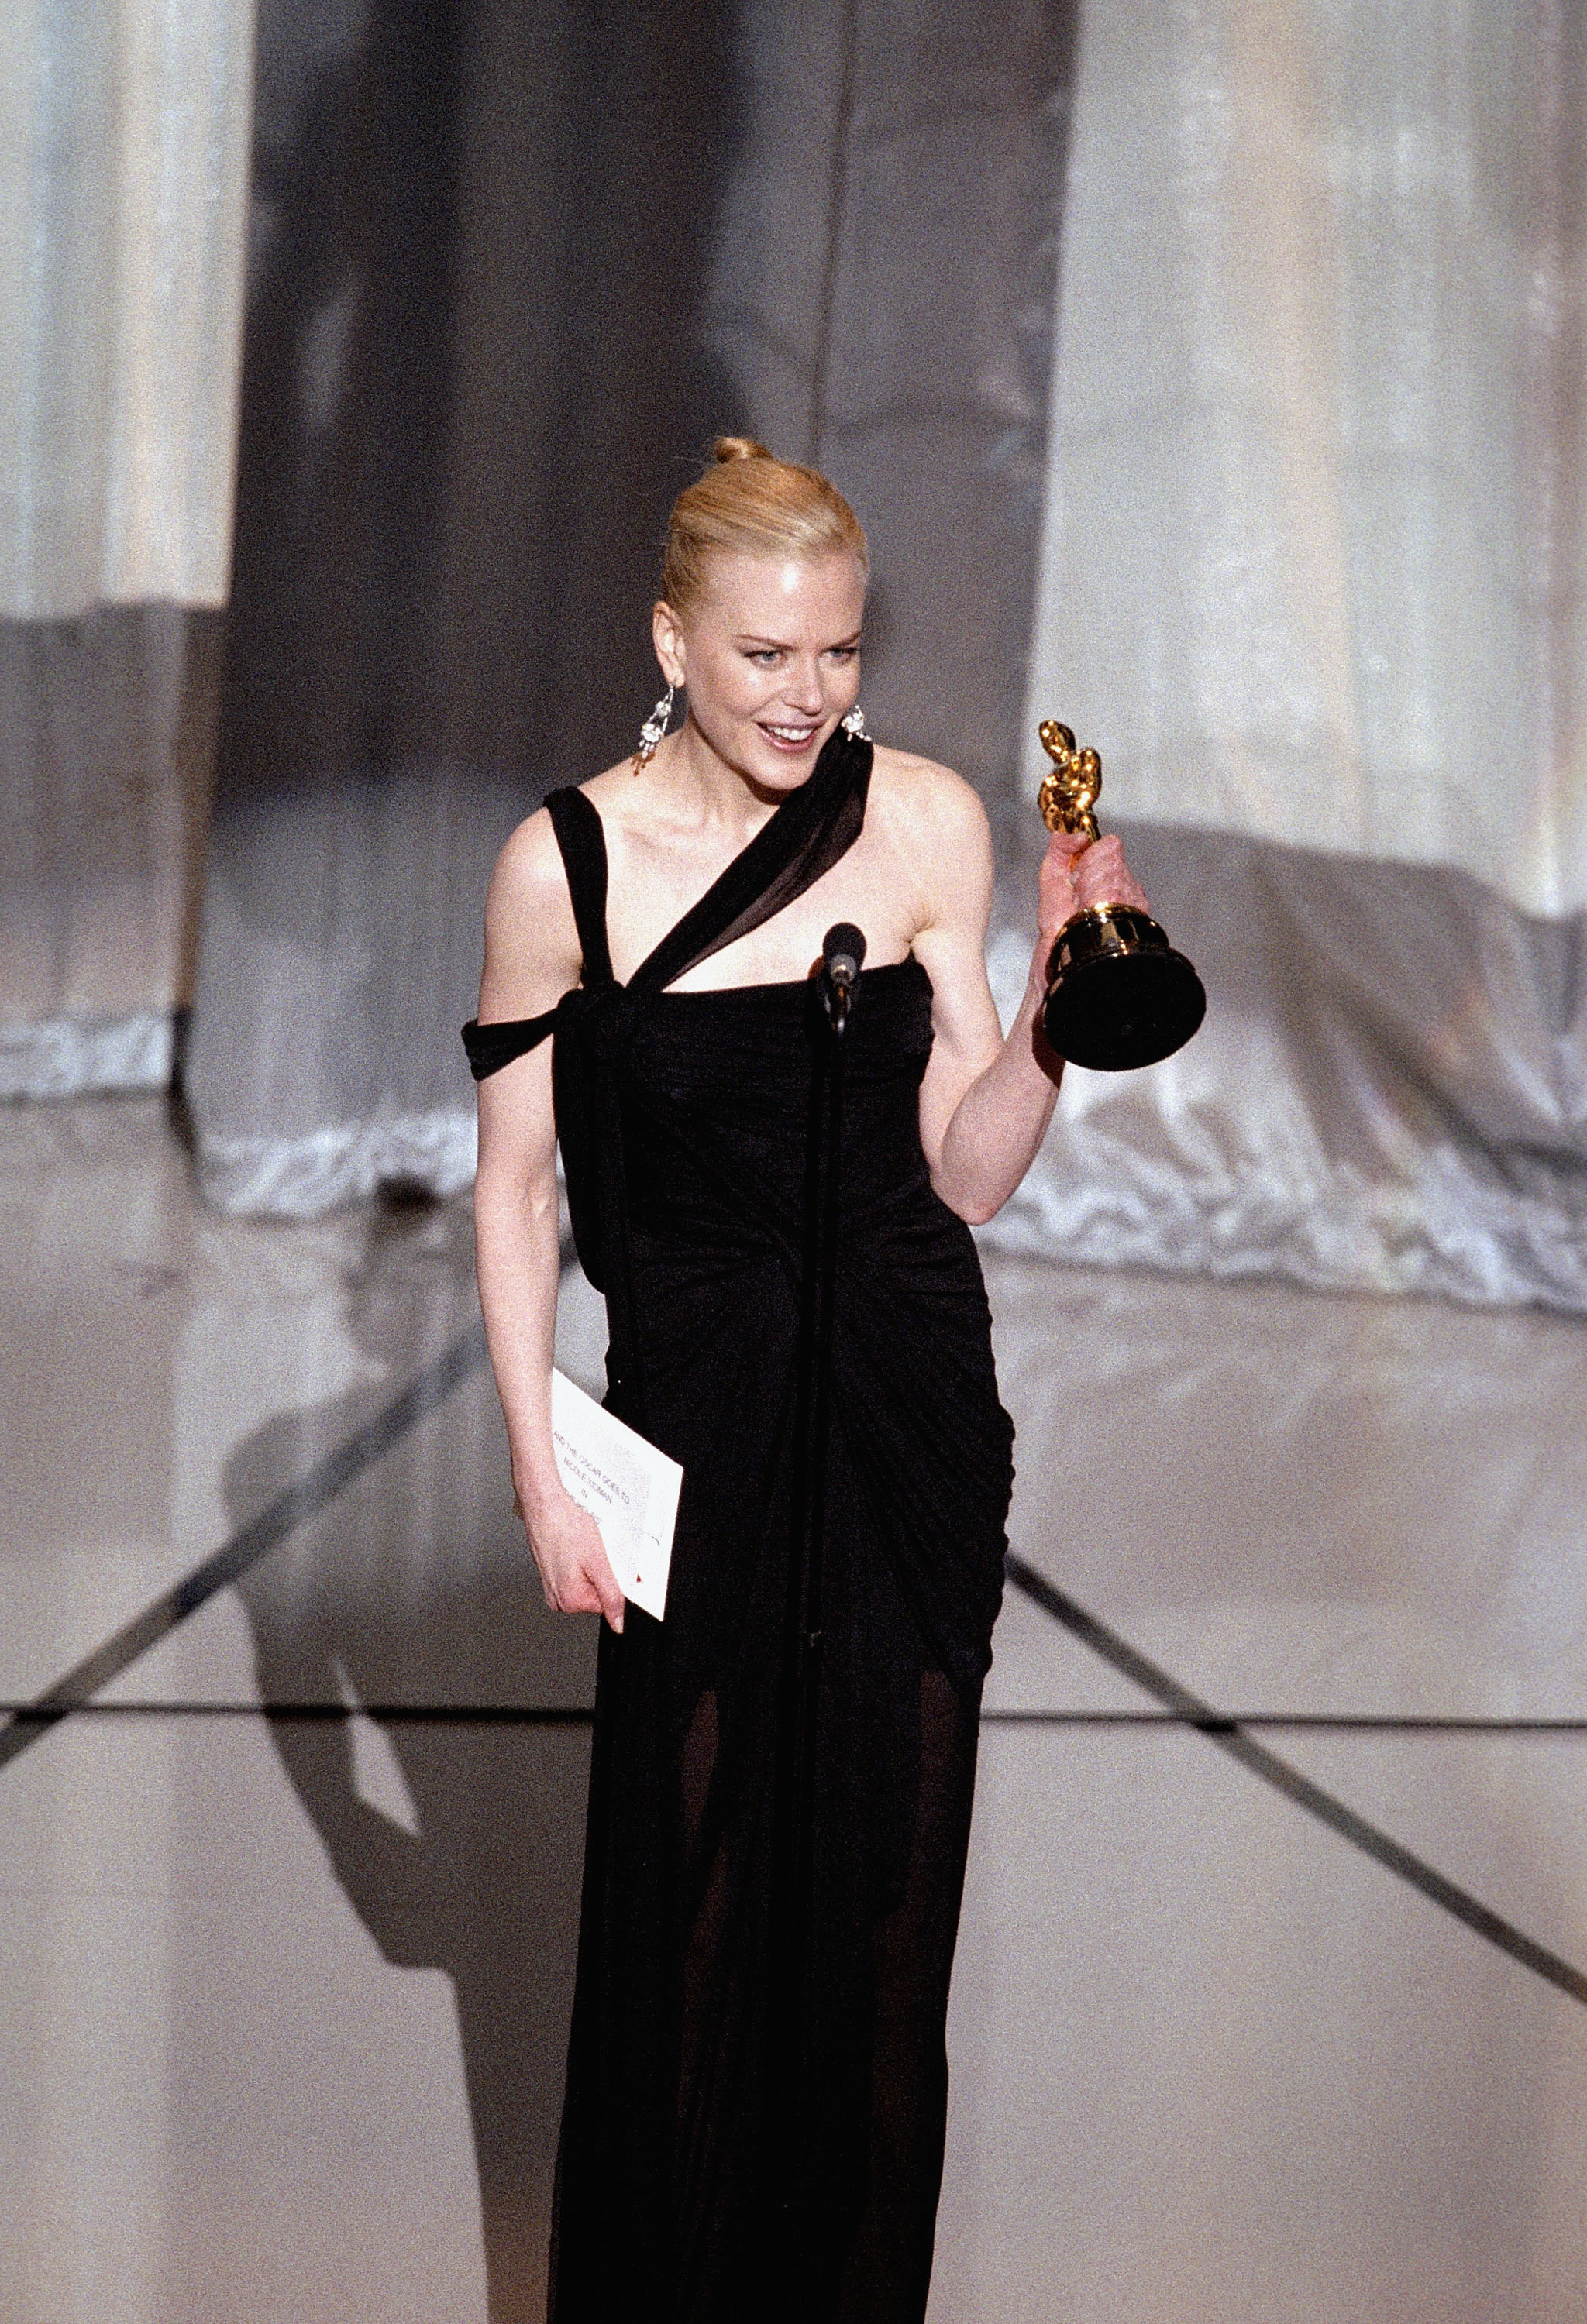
{"x":662,"y":922}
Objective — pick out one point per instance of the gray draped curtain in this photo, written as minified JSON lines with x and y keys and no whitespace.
{"x":513,"y":268}
{"x":124,"y":149}
{"x":1210,"y":377}
{"x":1313,"y":571}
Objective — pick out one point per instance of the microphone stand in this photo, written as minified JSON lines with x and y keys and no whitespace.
{"x":793,"y":1883}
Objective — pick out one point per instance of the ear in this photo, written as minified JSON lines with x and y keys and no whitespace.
{"x":668,"y":633}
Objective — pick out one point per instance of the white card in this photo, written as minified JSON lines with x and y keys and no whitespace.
{"x":629,"y":1487}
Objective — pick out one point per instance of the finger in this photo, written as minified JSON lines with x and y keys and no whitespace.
{"x":1104,"y":855}
{"x":1064,"y":850}
{"x":608,"y":1590}
{"x":1057,"y":907}
{"x":578,"y":1596}
{"x":1121,"y":889}
{"x":1104,"y":878}
{"x":1057,"y":884}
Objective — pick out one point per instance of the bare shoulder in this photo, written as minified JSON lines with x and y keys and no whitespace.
{"x":528,"y":870}
{"x":936,"y":822}
{"x":532,"y":942}
{"x":912,"y":794}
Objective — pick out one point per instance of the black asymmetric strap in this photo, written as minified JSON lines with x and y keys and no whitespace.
{"x":812,"y":828}
{"x":583,"y":847}
{"x":583,"y":843}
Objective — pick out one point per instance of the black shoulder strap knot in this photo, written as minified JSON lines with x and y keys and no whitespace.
{"x":579,"y":838}
{"x":491,"y":1047}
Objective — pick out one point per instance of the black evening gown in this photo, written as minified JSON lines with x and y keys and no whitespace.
{"x":685,"y":1120}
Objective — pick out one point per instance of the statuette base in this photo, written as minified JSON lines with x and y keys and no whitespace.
{"x":1118,"y":995}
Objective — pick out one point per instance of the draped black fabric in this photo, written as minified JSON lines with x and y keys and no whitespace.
{"x":674,"y":2150}
{"x":817,"y":826}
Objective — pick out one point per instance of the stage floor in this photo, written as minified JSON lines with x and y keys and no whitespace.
{"x":1269,"y":2022}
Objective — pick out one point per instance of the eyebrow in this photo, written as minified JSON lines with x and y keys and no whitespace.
{"x":750,"y":638}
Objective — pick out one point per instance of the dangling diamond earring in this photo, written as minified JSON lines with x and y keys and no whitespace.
{"x":853,"y":725}
{"x":651,"y":731}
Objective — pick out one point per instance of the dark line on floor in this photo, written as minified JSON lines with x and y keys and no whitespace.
{"x":390,"y":1714}
{"x":1258,"y":1760}
{"x":305,"y":1498}
{"x":72,"y":1692}
{"x":1304,"y":1722}
{"x":483,"y":1714}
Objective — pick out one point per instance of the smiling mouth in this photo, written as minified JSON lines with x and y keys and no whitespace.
{"x":789,"y":738}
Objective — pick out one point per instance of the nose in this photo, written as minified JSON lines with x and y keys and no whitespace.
{"x":803,"y":689}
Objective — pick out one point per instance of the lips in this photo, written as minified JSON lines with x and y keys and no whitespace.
{"x":789,"y":737}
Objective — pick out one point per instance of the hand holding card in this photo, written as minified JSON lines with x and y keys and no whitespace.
{"x":629,"y":1487}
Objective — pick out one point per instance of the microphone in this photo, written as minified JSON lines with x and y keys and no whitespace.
{"x":843,"y":955}
{"x":842,"y":949}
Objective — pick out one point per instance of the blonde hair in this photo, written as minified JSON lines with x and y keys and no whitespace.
{"x":749,"y":503}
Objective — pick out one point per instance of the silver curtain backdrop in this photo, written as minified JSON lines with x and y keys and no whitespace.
{"x":123,"y":167}
{"x":1313,"y":567}
{"x":1212,"y":376}
{"x":513,"y":269}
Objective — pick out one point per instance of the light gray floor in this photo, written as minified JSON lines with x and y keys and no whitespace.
{"x":286,"y":1999}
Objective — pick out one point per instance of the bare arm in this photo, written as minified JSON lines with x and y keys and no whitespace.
{"x":986,"y":1100}
{"x":531,"y":958}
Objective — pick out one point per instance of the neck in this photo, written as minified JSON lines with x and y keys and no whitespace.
{"x":719,"y":791}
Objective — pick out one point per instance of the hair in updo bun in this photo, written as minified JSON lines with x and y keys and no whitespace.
{"x":750,"y":504}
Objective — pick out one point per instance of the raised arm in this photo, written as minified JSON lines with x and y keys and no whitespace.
{"x":986,"y":1102}
{"x":531,"y":959}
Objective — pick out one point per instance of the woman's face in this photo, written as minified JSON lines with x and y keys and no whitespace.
{"x":770,"y":656}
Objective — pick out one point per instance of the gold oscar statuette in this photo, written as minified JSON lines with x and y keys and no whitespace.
{"x":1118,"y":994}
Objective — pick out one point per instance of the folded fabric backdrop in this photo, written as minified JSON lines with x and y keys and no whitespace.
{"x":1294,"y":531}
{"x":516,"y":268}
{"x":122,"y":198}
{"x":1312,"y":573}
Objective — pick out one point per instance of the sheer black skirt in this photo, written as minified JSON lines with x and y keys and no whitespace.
{"x":685,"y":2130}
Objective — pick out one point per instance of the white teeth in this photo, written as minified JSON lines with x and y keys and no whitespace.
{"x":792,"y":733}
